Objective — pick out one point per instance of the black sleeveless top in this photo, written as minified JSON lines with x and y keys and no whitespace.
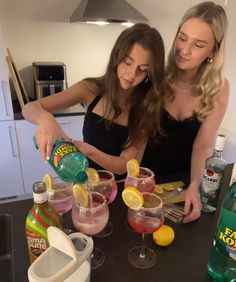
{"x":171,"y":153}
{"x":107,"y":138}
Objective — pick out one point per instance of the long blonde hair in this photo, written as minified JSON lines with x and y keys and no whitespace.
{"x":209,"y":78}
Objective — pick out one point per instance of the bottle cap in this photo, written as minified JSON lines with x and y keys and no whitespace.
{"x":220,"y":142}
{"x":39,"y":192}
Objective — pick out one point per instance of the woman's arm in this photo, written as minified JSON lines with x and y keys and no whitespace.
{"x":115,"y":164}
{"x":203,"y":149}
{"x":40,"y":113}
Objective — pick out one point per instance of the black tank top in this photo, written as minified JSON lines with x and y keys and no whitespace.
{"x":108,"y":139}
{"x":171,"y":153}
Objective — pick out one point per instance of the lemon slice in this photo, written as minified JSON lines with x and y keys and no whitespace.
{"x":168,"y":187}
{"x":132,"y":167}
{"x":158,"y":190}
{"x":47,"y":179}
{"x":133,"y":198}
{"x":80,"y":194}
{"x":93,"y":175}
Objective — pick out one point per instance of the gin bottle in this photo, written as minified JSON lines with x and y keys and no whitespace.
{"x":212,"y":177}
{"x":222,"y":261}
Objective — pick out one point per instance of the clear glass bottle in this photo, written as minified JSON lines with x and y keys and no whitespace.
{"x":222,"y":261}
{"x":212,"y":177}
{"x":39,"y":218}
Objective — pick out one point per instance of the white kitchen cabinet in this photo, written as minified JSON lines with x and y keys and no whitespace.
{"x":11,"y":183}
{"x":33,"y":167}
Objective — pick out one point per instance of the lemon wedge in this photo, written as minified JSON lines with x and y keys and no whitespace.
{"x":92,"y":174}
{"x":158,"y":190}
{"x":48,"y":180}
{"x":168,"y":187}
{"x":132,"y":167}
{"x":80,"y":194}
{"x":133,"y":198}
{"x":164,"y":236}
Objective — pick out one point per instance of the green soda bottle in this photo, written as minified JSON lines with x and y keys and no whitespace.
{"x":222,"y":261}
{"x":39,"y":218}
{"x":68,"y":162}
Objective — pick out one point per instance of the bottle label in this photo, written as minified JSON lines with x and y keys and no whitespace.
{"x":226,"y":233}
{"x":59,"y":151}
{"x":211,"y":181}
{"x":36,"y":245}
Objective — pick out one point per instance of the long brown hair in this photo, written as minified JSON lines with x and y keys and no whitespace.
{"x":146,"y":98}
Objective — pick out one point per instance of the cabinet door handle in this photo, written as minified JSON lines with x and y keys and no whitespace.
{"x":4,"y":91}
{"x":12,"y":135}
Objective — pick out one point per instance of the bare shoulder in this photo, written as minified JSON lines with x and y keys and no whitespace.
{"x":88,"y":90}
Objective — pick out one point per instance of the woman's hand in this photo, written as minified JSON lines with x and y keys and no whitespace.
{"x":193,"y":206}
{"x":46,"y":134}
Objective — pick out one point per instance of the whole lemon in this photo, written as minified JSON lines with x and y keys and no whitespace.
{"x":164,"y":236}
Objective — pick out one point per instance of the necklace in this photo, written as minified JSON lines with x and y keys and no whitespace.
{"x":182,"y":89}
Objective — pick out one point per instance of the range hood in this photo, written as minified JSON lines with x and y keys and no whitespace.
{"x":106,"y":11}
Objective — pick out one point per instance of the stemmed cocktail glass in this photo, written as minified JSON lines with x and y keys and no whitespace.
{"x":61,"y":197}
{"x":106,"y":185}
{"x":145,"y":220}
{"x":91,"y":220}
{"x":144,"y":182}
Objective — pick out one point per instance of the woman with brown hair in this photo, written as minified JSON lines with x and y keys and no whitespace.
{"x":120,"y":105}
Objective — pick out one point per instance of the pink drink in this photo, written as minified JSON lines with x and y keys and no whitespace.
{"x":145,"y":182}
{"x":92,"y":219}
{"x":108,"y":190}
{"x":91,"y":225}
{"x":106,"y":185}
{"x":61,"y":197}
{"x":143,"y":224}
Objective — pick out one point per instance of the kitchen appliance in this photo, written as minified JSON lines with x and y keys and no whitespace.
{"x":107,"y":11}
{"x":67,"y":259}
{"x":49,"y":78}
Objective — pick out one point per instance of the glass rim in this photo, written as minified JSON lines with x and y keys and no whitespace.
{"x":106,"y":180}
{"x":156,"y":196}
{"x":68,"y":185}
{"x":148,"y":176}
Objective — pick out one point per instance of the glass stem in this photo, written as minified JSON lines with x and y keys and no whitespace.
{"x":142,"y":253}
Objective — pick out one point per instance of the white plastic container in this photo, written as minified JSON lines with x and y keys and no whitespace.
{"x":67,"y":258}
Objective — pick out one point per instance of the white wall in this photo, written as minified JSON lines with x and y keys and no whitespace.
{"x":39,"y":31}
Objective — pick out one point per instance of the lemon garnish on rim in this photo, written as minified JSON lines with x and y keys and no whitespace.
{"x":132,"y":167}
{"x":80,"y":194}
{"x":93,"y":175}
{"x":47,"y":179}
{"x":133,"y":198}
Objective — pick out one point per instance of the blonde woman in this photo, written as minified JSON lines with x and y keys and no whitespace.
{"x":196,"y":99}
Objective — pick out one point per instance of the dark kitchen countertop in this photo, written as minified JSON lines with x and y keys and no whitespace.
{"x":77,"y":110}
{"x":184,"y":260}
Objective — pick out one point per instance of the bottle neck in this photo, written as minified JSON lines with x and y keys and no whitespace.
{"x":40,"y":198}
{"x":218,"y":154}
